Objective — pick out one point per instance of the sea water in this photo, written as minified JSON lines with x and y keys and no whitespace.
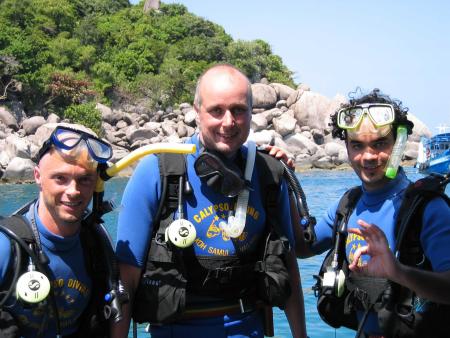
{"x":321,"y":189}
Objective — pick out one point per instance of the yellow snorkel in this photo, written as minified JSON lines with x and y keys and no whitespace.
{"x":178,"y":148}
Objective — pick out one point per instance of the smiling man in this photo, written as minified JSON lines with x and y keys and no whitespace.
{"x":211,"y":286}
{"x":395,"y":251}
{"x":63,"y":251}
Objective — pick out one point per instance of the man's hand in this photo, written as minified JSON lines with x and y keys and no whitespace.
{"x":280,"y":154}
{"x":382,"y":262}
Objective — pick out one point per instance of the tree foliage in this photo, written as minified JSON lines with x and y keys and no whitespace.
{"x":85,"y":114}
{"x":67,"y":49}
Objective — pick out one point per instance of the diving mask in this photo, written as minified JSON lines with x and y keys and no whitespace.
{"x":66,"y":138}
{"x":220,"y":174}
{"x":380,"y":114}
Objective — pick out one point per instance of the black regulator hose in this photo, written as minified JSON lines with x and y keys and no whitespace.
{"x":117,"y":295}
{"x":306,"y":220}
{"x":18,"y":242}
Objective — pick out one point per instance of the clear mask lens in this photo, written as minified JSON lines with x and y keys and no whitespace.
{"x":68,"y":139}
{"x":380,"y":114}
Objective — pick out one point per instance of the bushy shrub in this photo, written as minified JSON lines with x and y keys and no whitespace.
{"x":85,"y":114}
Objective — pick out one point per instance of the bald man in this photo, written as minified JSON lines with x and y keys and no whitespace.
{"x":220,"y":297}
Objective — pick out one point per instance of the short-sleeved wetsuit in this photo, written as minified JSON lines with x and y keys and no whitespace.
{"x":69,"y":280}
{"x":380,"y":207}
{"x":205,"y":208}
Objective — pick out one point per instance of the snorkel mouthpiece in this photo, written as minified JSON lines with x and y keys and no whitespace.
{"x":397,"y":152}
{"x":235,"y":224}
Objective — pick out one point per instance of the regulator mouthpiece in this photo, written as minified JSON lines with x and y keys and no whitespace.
{"x":236,"y":223}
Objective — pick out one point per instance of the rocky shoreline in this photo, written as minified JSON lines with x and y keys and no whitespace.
{"x":293,"y":119}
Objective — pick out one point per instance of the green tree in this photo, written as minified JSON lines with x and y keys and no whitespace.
{"x":256,"y":60}
{"x":85,"y":114}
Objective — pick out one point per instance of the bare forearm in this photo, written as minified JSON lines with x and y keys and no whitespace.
{"x":130,"y":277}
{"x":430,"y":285}
{"x":295,"y":309}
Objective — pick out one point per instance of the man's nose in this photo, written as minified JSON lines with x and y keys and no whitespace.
{"x":72,"y":188}
{"x":370,"y":154}
{"x":228,"y":119}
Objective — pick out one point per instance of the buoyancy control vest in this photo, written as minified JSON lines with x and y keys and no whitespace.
{"x":401,"y":313}
{"x":167,"y":289}
{"x":93,"y":323}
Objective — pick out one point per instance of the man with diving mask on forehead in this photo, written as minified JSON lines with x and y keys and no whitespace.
{"x":226,"y":204}
{"x":52,"y":273}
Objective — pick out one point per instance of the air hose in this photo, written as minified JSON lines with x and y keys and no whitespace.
{"x":18,"y":242}
{"x":306,"y":220}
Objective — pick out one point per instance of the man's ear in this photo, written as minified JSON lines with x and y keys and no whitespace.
{"x":197,"y":118}
{"x":37,"y":175}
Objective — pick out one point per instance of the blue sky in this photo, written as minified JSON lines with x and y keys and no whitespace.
{"x":401,"y":46}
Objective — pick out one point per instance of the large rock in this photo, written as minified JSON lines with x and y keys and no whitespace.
{"x":284,"y":125}
{"x":53,"y":118}
{"x":259,"y":122}
{"x":32,"y":124}
{"x":264,"y":96}
{"x":411,"y":150}
{"x":8,"y":119}
{"x":19,"y":169}
{"x":294,"y":97}
{"x":263,"y":136}
{"x":283,"y":91}
{"x":189,"y":117}
{"x":420,"y":129}
{"x":333,"y":149}
{"x":16,"y":146}
{"x":134,"y":134}
{"x":314,"y":110}
{"x":108,"y":115}
{"x":298,"y":144}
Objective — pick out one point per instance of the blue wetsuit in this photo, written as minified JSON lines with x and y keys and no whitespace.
{"x":205,"y":208}
{"x":381,"y":207}
{"x":69,"y":280}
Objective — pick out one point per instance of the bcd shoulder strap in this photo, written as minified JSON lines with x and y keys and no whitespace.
{"x":171,"y":167}
{"x":409,"y":218}
{"x":20,"y":226}
{"x":346,"y":205}
{"x":270,"y":174}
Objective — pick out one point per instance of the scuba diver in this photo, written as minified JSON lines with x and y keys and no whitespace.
{"x":388,"y":271}
{"x":204,"y":240}
{"x":56,"y":259}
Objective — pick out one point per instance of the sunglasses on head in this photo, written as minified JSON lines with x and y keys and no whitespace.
{"x":66,"y":138}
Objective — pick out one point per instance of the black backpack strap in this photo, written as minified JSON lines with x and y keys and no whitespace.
{"x":270,"y":174}
{"x":409,"y":219}
{"x":20,"y":226}
{"x":171,"y":167}
{"x":346,"y":205}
